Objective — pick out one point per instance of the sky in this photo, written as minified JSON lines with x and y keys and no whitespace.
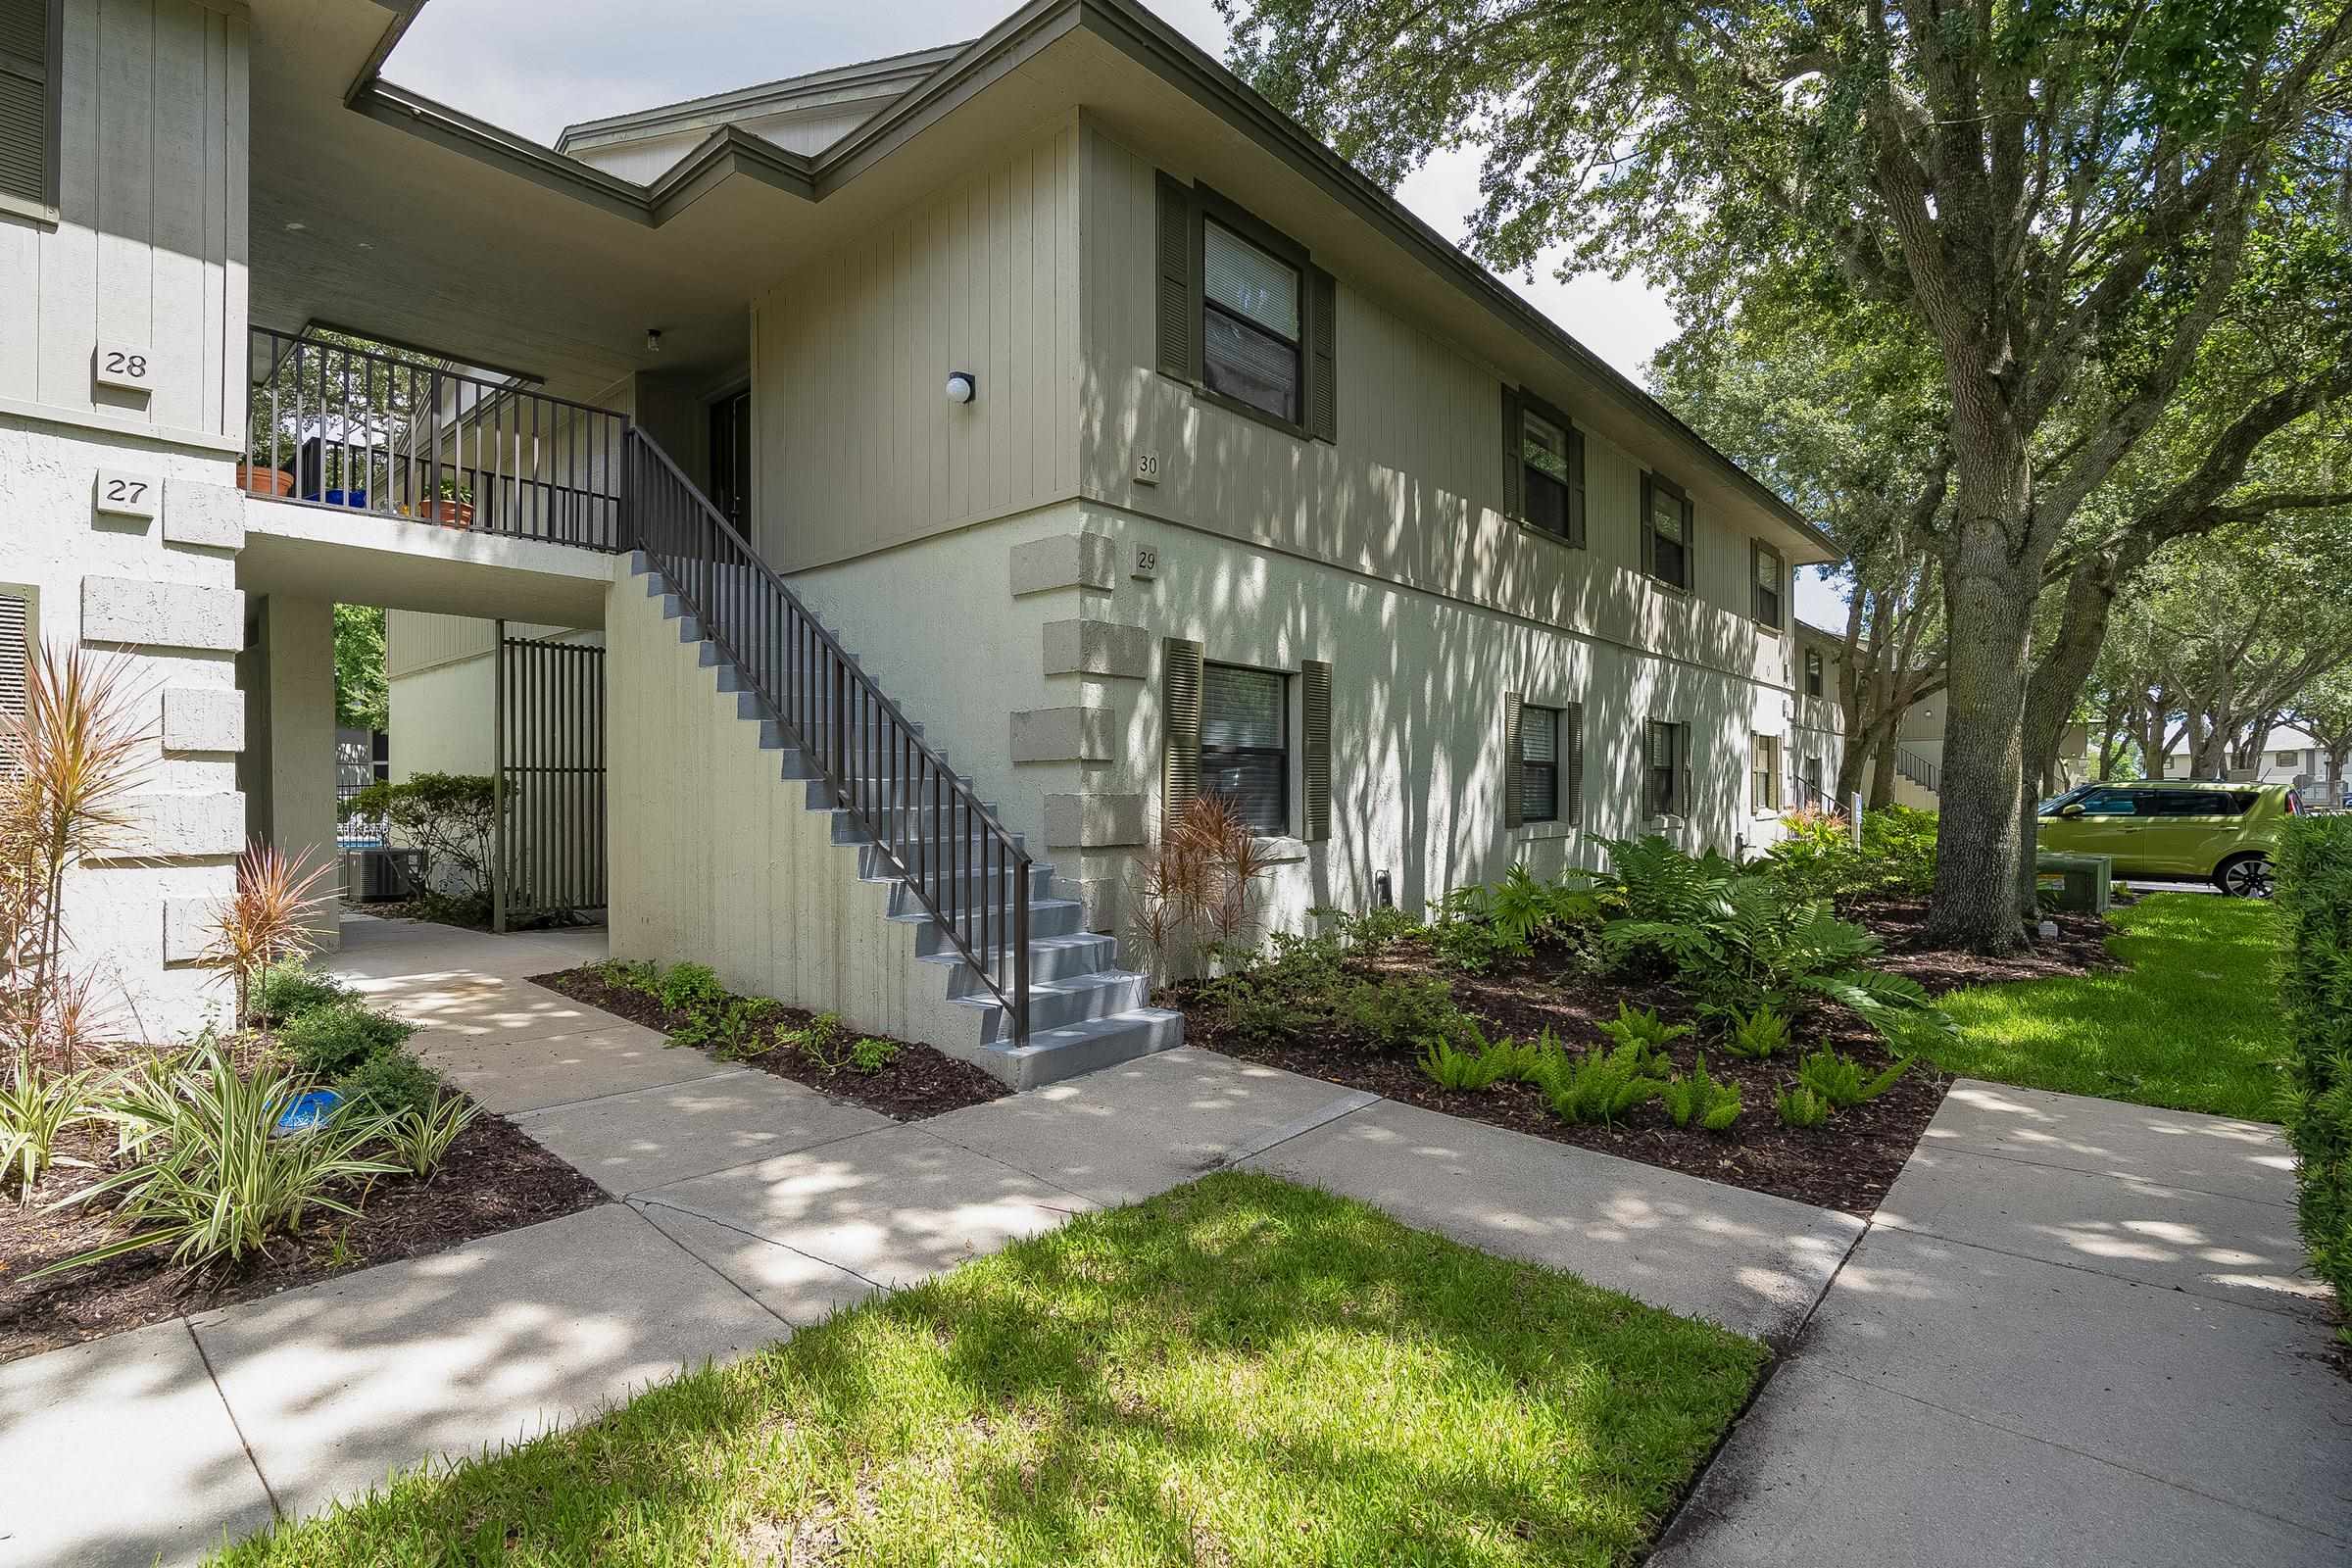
{"x":536,"y":66}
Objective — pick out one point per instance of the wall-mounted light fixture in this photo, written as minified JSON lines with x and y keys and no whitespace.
{"x":962,"y":386}
{"x":652,"y":340}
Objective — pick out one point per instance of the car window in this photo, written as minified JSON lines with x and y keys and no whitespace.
{"x":2194,"y":803}
{"x":2112,"y":802}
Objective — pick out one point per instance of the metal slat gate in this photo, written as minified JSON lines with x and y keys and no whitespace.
{"x":550,"y":723}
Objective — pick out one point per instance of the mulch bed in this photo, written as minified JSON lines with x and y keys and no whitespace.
{"x":494,"y":1178}
{"x":921,"y":1081}
{"x":2079,"y":948}
{"x":1847,"y":1163}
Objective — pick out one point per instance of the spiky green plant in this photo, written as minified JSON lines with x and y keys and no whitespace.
{"x":1838,"y":1078}
{"x":1800,"y":1107}
{"x":36,"y":1106}
{"x":421,"y":1138}
{"x":1453,"y":1066}
{"x":1701,"y":1099}
{"x":212,"y":1180}
{"x":1757,"y":1035}
{"x":1599,"y":1085}
{"x":1646,"y":1030}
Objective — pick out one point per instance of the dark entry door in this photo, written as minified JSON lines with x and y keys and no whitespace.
{"x":731,"y":459}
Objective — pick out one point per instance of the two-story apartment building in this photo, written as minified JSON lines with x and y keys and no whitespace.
{"x":967,"y":459}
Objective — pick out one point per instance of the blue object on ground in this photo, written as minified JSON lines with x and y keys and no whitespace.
{"x":308,"y":1112}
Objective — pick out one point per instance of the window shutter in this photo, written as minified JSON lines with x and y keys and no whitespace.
{"x":25,"y":139}
{"x":1180,"y":756}
{"x":1514,"y":479}
{"x":1314,"y":747}
{"x":1649,"y":527}
{"x":16,"y":658}
{"x":1575,"y":487}
{"x":1686,"y":802}
{"x":1572,"y":765}
{"x":1179,"y":309}
{"x":1323,"y":356}
{"x":1514,"y":808}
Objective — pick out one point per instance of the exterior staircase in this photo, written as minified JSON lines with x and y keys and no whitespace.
{"x":1084,"y":1011}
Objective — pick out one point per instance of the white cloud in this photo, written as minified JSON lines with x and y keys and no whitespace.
{"x":535,"y":65}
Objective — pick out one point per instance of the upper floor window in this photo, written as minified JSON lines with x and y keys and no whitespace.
{"x":1666,"y":536}
{"x":29,"y":34}
{"x":1244,"y":750}
{"x":1242,"y":314}
{"x":1249,"y":315}
{"x":1770,"y":571}
{"x":1813,"y":672}
{"x":1543,"y":466}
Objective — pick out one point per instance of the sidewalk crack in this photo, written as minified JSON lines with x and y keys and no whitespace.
{"x":276,"y":1511}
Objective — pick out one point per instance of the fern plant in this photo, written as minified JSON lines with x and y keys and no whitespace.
{"x":1756,"y":1036}
{"x":1644,"y":1029}
{"x":1453,"y":1066}
{"x":1800,"y":1107}
{"x":1838,"y":1078}
{"x":1599,"y":1085}
{"x":1701,"y":1099}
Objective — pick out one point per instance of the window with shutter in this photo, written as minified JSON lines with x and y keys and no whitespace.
{"x":1769,"y":572}
{"x":1547,"y":455}
{"x":29,"y":38}
{"x":1665,"y":768}
{"x":1538,"y":765}
{"x":1812,"y":672}
{"x":1242,"y":314}
{"x":1245,"y":752}
{"x":1250,"y":317}
{"x":1666,"y":542}
{"x":15,"y":659}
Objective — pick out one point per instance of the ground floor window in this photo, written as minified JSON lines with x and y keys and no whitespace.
{"x":1244,"y":750}
{"x":1665,"y":763}
{"x":1538,"y":765}
{"x":1764,"y":759}
{"x":1813,"y":796}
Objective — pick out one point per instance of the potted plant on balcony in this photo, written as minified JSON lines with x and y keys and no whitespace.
{"x":454,"y":509}
{"x":265,"y":482}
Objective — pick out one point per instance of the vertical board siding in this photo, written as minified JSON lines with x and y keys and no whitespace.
{"x":149,"y":246}
{"x":857,"y":446}
{"x":1414,"y":491}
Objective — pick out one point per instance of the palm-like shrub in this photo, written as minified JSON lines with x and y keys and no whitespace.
{"x":267,"y":919}
{"x":1741,"y":942}
{"x":213,"y":1181}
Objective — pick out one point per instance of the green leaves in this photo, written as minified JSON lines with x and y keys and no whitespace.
{"x":1702,"y":1100}
{"x":1836,"y":1079}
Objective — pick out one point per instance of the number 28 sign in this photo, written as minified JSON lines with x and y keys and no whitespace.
{"x":125,"y":365}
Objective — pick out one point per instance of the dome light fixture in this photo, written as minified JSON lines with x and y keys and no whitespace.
{"x":962,"y":386}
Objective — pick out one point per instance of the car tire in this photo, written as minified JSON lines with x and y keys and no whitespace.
{"x":2245,"y":876}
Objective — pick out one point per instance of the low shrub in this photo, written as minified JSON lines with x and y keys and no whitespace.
{"x":1701,"y":1099}
{"x":328,"y":1041}
{"x":1837,"y":1080}
{"x":871,"y":1055}
{"x":735,"y":1031}
{"x":823,"y":1040}
{"x":1404,"y":1013}
{"x":690,"y":988}
{"x":2315,"y":897}
{"x":389,"y":1082}
{"x":214,"y":1181}
{"x":641,"y":975}
{"x":1760,"y":1034}
{"x":1800,"y":1107}
{"x":286,"y":988}
{"x":1601,"y":1086}
{"x":1817,"y":858}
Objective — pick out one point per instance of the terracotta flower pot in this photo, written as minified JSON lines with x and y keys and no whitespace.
{"x":265,"y":482}
{"x":449,"y":513}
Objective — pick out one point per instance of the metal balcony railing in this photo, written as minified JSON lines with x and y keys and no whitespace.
{"x":401,"y":435}
{"x":965,"y":868}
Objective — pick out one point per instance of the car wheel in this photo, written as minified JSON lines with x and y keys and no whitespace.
{"x":2245,"y":876}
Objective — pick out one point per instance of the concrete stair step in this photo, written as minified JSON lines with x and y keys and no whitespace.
{"x":1049,"y":959}
{"x":1063,"y":999}
{"x":1069,"y":1050}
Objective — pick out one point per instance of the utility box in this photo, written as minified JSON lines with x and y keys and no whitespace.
{"x":384,"y":876}
{"x":2084,"y":883}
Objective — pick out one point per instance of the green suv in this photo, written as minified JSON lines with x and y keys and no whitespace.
{"x":2176,"y":830}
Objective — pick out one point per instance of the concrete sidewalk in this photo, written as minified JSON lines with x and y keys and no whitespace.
{"x":749,"y":1206}
{"x":2076,"y":1332}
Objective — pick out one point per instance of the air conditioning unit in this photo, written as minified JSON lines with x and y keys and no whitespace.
{"x":384,"y":876}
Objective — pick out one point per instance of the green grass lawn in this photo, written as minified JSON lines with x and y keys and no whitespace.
{"x":1239,"y":1371}
{"x":2192,"y":1025}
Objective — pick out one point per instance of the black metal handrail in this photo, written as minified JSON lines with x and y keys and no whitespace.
{"x":965,"y":868}
{"x":372,"y":430}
